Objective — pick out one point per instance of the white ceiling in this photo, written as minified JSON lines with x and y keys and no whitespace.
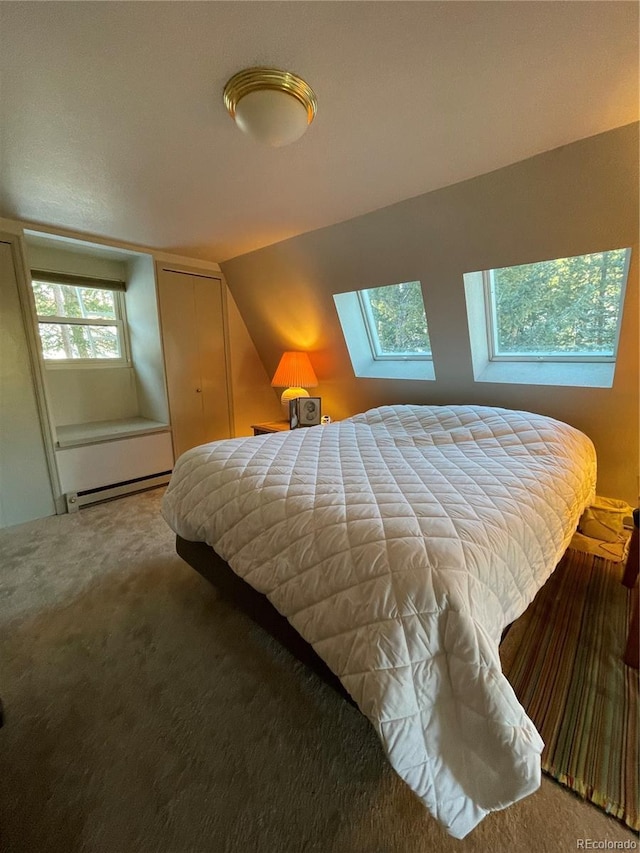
{"x":113,"y":123}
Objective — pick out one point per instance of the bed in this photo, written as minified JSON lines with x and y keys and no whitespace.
{"x":399,"y":544}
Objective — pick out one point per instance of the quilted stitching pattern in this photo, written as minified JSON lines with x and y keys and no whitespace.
{"x":400,"y":543}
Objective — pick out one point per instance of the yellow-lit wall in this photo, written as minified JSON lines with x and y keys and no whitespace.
{"x":254,"y":400}
{"x":573,"y":200}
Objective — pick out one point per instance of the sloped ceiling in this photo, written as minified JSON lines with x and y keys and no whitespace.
{"x":113,"y":124}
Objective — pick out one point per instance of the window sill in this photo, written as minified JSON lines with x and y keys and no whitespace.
{"x":576,"y":374}
{"x":372,"y":369}
{"x":84,"y":364}
{"x":74,"y":435}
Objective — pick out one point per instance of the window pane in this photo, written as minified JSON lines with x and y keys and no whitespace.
{"x":65,"y":300}
{"x":569,"y":306}
{"x":399,"y":320}
{"x":62,"y":341}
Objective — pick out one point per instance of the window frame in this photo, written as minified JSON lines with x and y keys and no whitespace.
{"x":372,"y":331}
{"x":491,"y":318}
{"x":117,"y":288}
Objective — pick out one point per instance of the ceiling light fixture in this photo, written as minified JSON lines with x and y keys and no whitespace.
{"x":274,"y":107}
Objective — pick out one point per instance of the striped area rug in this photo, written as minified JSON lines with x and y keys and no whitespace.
{"x":568,"y":674}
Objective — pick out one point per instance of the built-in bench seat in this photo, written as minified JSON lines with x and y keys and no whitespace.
{"x":74,"y":435}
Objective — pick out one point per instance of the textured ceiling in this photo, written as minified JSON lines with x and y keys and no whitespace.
{"x":113,"y":124}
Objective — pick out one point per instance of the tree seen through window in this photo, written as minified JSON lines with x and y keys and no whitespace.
{"x":568,"y":306}
{"x":398,"y":318}
{"x":77,"y":322}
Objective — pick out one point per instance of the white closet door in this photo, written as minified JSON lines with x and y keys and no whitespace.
{"x":213,"y":363}
{"x":192,"y":319}
{"x":25,"y":487}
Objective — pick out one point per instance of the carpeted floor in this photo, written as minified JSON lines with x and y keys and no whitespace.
{"x":144,"y":715}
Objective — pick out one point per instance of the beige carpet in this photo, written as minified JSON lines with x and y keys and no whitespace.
{"x":144,"y":714}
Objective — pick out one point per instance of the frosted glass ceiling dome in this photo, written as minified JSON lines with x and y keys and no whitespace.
{"x":272,"y":106}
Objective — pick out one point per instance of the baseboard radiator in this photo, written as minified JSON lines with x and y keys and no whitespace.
{"x":76,"y":500}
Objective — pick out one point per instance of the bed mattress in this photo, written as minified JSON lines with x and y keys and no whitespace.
{"x":400,"y":543}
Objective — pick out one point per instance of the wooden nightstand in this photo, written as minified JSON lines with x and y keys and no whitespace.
{"x":270,"y":426}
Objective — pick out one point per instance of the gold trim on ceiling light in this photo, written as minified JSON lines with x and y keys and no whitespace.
{"x":257,"y":79}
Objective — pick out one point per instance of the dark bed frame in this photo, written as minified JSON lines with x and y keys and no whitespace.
{"x":257,"y":606}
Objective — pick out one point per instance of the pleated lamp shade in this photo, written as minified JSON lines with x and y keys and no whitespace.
{"x":295,"y":374}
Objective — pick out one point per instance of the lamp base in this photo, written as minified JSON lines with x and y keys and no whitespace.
{"x":291,"y":394}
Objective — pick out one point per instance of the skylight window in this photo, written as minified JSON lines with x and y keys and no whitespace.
{"x":386,"y":332}
{"x":548,"y":323}
{"x":396,"y":321}
{"x":569,"y":308}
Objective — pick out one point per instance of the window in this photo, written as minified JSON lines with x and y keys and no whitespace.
{"x":385,"y":329}
{"x":80,"y":320}
{"x":395,"y":320}
{"x":548,"y":323}
{"x":567,"y":309}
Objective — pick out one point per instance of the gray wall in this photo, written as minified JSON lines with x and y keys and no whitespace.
{"x":145,"y":339}
{"x":25,"y":487}
{"x":576,"y":199}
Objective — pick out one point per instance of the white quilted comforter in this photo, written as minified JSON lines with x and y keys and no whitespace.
{"x":400,"y":543}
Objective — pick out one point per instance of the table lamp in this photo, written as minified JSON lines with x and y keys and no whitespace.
{"x":294,"y":373}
